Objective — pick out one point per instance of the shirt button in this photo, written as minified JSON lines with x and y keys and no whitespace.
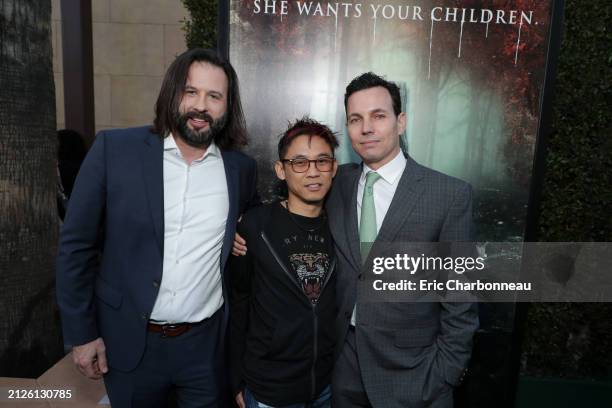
{"x":143,"y":316}
{"x":156,"y":284}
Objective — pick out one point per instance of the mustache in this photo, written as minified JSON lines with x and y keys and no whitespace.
{"x":199,"y":115}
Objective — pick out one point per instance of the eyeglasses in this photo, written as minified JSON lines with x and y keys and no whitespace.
{"x":301,"y":165}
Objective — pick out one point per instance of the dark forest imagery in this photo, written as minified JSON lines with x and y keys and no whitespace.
{"x":472,"y":91}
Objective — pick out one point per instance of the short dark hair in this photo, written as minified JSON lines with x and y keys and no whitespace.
{"x":371,"y":80}
{"x":305,"y":126}
{"x":234,"y":134}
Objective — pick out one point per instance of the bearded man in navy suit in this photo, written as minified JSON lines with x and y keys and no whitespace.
{"x":140,"y":270}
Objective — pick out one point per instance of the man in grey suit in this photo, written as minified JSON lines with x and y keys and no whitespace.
{"x":407,"y":354}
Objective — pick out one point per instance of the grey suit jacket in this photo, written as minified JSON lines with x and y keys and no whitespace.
{"x":410,"y":354}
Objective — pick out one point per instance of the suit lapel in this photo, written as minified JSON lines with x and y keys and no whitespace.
{"x":232,"y":178}
{"x":153,"y":173}
{"x":405,"y":198}
{"x":350,"y":220}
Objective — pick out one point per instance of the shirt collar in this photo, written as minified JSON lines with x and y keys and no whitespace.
{"x":170,"y":145}
{"x":391,"y":171}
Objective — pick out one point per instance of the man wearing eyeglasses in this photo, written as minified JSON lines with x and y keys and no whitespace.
{"x":283,"y":301}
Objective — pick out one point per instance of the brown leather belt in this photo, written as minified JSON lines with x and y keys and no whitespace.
{"x":176,"y":329}
{"x":171,"y":330}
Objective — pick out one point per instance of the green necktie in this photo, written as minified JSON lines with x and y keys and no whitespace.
{"x":367,"y":223}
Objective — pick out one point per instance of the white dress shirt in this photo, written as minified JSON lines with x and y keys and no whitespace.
{"x":384,"y":190}
{"x":196,"y":205}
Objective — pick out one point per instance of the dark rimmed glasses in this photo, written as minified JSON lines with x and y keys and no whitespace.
{"x":301,"y":165}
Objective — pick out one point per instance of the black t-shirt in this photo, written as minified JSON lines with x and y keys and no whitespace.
{"x":306,"y":243}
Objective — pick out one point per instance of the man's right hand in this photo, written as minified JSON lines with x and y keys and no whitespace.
{"x":90,"y":359}
{"x":239,"y":247}
{"x":240,"y":400}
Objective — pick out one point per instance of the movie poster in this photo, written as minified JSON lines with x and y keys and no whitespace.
{"x":471,"y":74}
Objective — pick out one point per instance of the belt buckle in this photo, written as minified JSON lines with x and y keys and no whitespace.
{"x":167,"y":327}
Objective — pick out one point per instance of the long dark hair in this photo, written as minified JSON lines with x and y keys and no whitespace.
{"x":234,"y":134}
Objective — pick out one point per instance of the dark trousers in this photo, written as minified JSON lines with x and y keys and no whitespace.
{"x":347,"y":386}
{"x":189,"y":366}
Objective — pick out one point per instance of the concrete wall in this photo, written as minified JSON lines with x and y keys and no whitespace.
{"x":134,"y":41}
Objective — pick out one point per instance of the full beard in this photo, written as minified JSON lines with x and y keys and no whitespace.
{"x":200,"y":138}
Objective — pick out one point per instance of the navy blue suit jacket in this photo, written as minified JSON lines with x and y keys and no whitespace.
{"x":109,"y":264}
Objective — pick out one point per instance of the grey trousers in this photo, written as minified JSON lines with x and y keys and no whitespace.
{"x":347,"y":386}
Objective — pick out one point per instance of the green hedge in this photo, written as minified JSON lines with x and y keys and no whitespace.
{"x":577,"y":194}
{"x":201,"y":28}
{"x":575,"y":340}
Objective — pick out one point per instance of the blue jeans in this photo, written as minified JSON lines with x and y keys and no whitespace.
{"x":322,"y":401}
